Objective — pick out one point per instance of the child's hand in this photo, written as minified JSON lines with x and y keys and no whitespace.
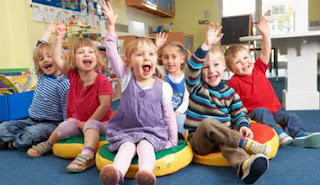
{"x":161,"y":39}
{"x":52,"y":27}
{"x":264,"y":26}
{"x":246,"y":132}
{"x":108,"y":13}
{"x":213,"y":36}
{"x":60,"y":29}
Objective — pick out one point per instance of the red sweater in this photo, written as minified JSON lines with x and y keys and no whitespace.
{"x":255,"y":90}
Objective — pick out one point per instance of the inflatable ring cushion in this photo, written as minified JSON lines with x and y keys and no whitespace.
{"x":70,"y":148}
{"x":262,"y":133}
{"x":167,"y":161}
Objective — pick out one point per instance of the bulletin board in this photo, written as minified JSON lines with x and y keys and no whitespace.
{"x":235,"y":27}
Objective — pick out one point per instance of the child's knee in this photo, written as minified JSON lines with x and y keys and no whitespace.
{"x":68,"y":128}
{"x":94,"y":124}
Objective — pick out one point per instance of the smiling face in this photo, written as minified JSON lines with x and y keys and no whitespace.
{"x":85,"y":58}
{"x":44,"y":61}
{"x":213,"y":68}
{"x":172,"y":58}
{"x":242,"y":63}
{"x":143,"y":61}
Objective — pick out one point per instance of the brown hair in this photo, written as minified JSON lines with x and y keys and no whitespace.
{"x":133,"y":46}
{"x":83,"y":42}
{"x":181,"y":49}
{"x":231,"y":53}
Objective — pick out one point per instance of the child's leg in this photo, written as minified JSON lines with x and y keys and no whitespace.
{"x":113,"y":174}
{"x":264,"y":116}
{"x":180,"y":123}
{"x":65,"y":130}
{"x":85,"y":160}
{"x":9,"y":130}
{"x":35,"y":134}
{"x":147,"y":159}
{"x":296,"y":129}
{"x":211,"y":133}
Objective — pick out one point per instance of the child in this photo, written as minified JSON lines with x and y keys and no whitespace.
{"x":48,"y":106}
{"x":145,"y":121}
{"x":258,"y":96}
{"x":89,"y":100}
{"x":174,"y":58}
{"x":216,"y":118}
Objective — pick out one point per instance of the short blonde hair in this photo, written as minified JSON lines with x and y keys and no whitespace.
{"x":217,"y":52}
{"x":83,"y":42}
{"x":133,"y":46}
{"x":181,"y":49}
{"x":232,"y":52}
{"x":38,"y":55}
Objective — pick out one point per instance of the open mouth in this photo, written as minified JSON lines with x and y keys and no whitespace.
{"x":246,"y":67}
{"x":146,"y":68}
{"x":87,"y":62}
{"x":212,"y":78}
{"x":47,"y":66}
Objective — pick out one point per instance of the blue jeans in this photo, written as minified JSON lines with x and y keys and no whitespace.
{"x":26,"y":132}
{"x":287,"y":120}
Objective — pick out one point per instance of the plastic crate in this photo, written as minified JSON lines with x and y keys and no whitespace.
{"x":15,"y":106}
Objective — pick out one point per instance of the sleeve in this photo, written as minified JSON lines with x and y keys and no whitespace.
{"x":114,"y":58}
{"x":63,"y":92}
{"x":238,"y":112}
{"x":185,"y":102}
{"x":168,"y":115}
{"x":193,"y":71}
{"x":261,"y":66}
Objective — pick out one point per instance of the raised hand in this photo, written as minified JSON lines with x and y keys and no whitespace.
{"x":213,"y":36}
{"x":52,"y":27}
{"x":60,"y":29}
{"x":264,"y":26}
{"x":161,"y":39}
{"x":108,"y":13}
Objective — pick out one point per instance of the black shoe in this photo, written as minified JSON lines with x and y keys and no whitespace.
{"x":253,"y":168}
{"x":3,"y":145}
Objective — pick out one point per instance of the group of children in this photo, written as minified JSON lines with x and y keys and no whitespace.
{"x":152,"y":111}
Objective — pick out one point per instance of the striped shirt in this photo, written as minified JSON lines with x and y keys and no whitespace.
{"x":221,"y":103}
{"x":50,"y":98}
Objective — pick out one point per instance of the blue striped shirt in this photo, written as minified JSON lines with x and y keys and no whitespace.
{"x":50,"y":98}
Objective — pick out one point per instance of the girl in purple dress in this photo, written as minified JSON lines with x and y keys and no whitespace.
{"x":145,"y":121}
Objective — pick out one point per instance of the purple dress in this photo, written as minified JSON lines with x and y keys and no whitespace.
{"x":139,"y":117}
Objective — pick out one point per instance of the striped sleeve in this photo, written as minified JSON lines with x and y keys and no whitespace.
{"x":193,"y":72}
{"x":238,"y":112}
{"x":64,"y":92}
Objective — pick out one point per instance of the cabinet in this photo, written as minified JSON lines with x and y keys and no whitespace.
{"x":162,"y":8}
{"x":185,"y":39}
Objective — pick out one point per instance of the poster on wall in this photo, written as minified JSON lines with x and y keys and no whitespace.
{"x":76,"y":12}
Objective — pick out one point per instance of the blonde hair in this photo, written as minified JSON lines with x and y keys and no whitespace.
{"x":38,"y":55}
{"x":181,"y":49}
{"x":232,"y":52}
{"x":217,"y":52}
{"x":133,"y":46}
{"x":83,"y":42}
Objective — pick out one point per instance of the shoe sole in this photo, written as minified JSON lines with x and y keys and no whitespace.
{"x":259,"y":162}
{"x":310,"y":141}
{"x":145,"y":178}
{"x":109,"y":175}
{"x":286,"y":143}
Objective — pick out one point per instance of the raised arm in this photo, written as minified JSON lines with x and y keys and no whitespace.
{"x":195,"y":63}
{"x":266,"y":40}
{"x":61,"y":64}
{"x":111,"y":41}
{"x":161,"y":39}
{"x":51,"y":29}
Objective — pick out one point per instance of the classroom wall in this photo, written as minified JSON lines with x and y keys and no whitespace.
{"x":187,"y":15}
{"x":314,"y":13}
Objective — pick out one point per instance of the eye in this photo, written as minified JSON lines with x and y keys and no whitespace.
{"x":139,"y":54}
{"x":245,"y":57}
{"x":79,"y":52}
{"x":237,"y":62}
{"x":152,"y":54}
{"x":216,"y":64}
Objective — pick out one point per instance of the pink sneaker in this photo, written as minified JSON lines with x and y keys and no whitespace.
{"x":145,"y":178}
{"x":110,"y":175}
